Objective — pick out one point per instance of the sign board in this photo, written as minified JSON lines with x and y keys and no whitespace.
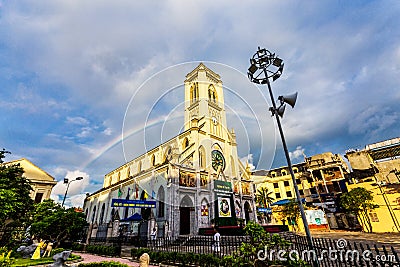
{"x":224,"y":207}
{"x":126,"y":203}
{"x":222,"y":186}
{"x":266,"y":210}
{"x":315,"y":217}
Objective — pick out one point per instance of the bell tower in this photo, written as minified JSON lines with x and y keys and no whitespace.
{"x":204,"y":101}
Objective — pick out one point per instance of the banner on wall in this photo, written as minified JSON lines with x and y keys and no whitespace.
{"x":132,"y":203}
{"x":224,"y":207}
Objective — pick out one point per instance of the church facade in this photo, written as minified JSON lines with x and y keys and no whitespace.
{"x":194,"y":180}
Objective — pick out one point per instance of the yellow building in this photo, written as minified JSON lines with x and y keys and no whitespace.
{"x":320,"y":179}
{"x":385,"y":218}
{"x":375,"y":168}
{"x":42,"y":183}
{"x":279,"y":182}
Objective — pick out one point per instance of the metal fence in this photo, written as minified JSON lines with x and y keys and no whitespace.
{"x":325,"y":252}
{"x":226,"y":245}
{"x":329,"y":252}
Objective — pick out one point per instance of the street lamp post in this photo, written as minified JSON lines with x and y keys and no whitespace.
{"x":66,"y":181}
{"x":266,"y":65}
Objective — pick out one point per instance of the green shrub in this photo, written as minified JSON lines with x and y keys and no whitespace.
{"x":163,"y":257}
{"x":137,"y":252}
{"x":56,"y":251}
{"x":5,"y":259}
{"x":77,"y":246}
{"x":173,"y":256}
{"x":103,"y":250}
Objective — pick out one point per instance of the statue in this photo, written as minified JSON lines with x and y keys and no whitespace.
{"x":144,"y":260}
{"x":49,"y":247}
{"x":37,"y":253}
{"x":60,"y":259}
{"x":27,"y":251}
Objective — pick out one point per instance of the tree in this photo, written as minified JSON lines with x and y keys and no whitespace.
{"x":50,"y":221}
{"x":264,"y":200}
{"x":15,"y":200}
{"x":259,"y":245}
{"x":291,"y":212}
{"x":263,"y":197}
{"x":359,"y":201}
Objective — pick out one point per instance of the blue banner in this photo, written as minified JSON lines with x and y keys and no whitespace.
{"x":116,"y":202}
{"x":267,"y":210}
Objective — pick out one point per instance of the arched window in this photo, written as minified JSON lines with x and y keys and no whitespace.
{"x":185,"y":143}
{"x":161,"y":202}
{"x":233,"y":166}
{"x":202,"y":157}
{"x":167,"y":154}
{"x":93,"y":214}
{"x":153,"y":160}
{"x":116,"y":215}
{"x":128,"y":172}
{"x":205,"y":208}
{"x":103,"y":207}
{"x":194,"y":92}
{"x":139,"y":166}
{"x":112,"y":214}
{"x":212,"y":94}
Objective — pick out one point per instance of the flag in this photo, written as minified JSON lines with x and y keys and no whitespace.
{"x":137,"y":191}
{"x":145,"y":195}
{"x":153,"y":194}
{"x":119,"y":192}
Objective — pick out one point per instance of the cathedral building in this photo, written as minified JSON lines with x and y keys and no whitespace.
{"x":191,"y":182}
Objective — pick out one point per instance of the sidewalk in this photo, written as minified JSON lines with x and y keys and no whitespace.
{"x":88,"y":258}
{"x":387,"y":239}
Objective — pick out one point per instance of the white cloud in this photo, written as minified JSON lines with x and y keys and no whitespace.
{"x":85,"y":132}
{"x":77,"y":120}
{"x":248,"y":161}
{"x":84,"y":60}
{"x":75,"y":189}
{"x":108,"y":131}
{"x":297,"y":154}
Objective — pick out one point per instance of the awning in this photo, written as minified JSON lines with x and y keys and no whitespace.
{"x":134,"y":218}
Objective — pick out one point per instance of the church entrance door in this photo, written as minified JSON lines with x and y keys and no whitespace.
{"x":184,"y":220}
{"x":247,"y":210}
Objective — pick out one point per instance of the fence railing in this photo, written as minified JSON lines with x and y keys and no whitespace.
{"x":341,"y":252}
{"x":226,"y":245}
{"x":325,"y":252}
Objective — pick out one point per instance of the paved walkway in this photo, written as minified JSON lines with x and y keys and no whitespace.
{"x":387,"y":239}
{"x":87,"y":258}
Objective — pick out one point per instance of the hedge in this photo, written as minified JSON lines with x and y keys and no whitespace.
{"x":103,"y":250}
{"x":184,"y":259}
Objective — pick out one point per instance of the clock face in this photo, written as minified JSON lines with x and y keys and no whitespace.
{"x":214,"y":120}
{"x":218,"y":160}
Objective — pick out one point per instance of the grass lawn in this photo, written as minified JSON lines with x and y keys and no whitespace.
{"x":19,"y":262}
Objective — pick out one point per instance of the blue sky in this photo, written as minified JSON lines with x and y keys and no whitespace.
{"x":77,"y":76}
